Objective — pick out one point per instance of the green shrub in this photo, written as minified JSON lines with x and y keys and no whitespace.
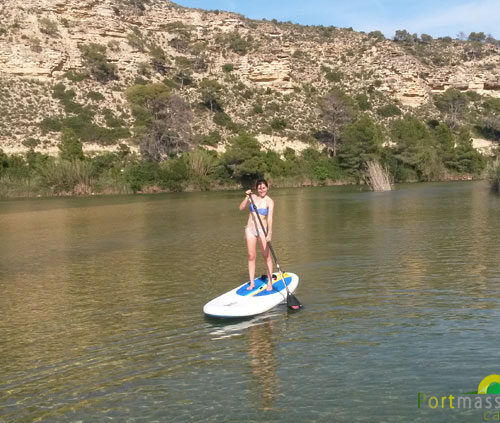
{"x":403,"y":36}
{"x":95,"y":96}
{"x":197,"y":49}
{"x":94,"y":57}
{"x":50,"y":124}
{"x":65,"y":176}
{"x":37,"y":161}
{"x":105,"y":162}
{"x":299,"y":54}
{"x":106,"y":136}
{"x":202,"y":166}
{"x":492,"y":104}
{"x":278,"y":124}
{"x":334,"y":76}
{"x":228,"y":67}
{"x":75,"y":76}
{"x":176,"y":26}
{"x":248,"y":94}
{"x":211,"y":94}
{"x":139,"y":80}
{"x":48,"y":27}
{"x":144,"y":69}
{"x":174,"y":173}
{"x":238,"y":44}
{"x":136,"y":41}
{"x":257,"y":109}
{"x":31,"y":142}
{"x":141,"y":174}
{"x":142,"y":115}
{"x":70,"y":147}
{"x":139,"y":6}
{"x":183,"y":63}
{"x":170,"y":84}
{"x":181,"y":44}
{"x":389,"y":110}
{"x":477,"y":37}
{"x":15,"y":166}
{"x":157,"y":52}
{"x":289,"y":154}
{"x":377,"y":35}
{"x":114,"y":45}
{"x":211,"y":139}
{"x":468,"y":158}
{"x":273,"y":107}
{"x":183,"y":78}
{"x":159,"y":60}
{"x":244,"y":157}
{"x":319,"y":166}
{"x":59,"y":91}
{"x":473,"y":96}
{"x":147,"y":95}
{"x":416,"y":148}
{"x":111,"y":120}
{"x":71,"y":107}
{"x":77,"y":124}
{"x":453,"y":104}
{"x":361,"y":142}
{"x":222,"y":119}
{"x":275,"y":167}
{"x":363,"y":102}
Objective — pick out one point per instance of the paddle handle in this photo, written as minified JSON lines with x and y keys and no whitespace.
{"x":269,"y":243}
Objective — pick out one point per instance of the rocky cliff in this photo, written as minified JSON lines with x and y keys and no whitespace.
{"x":265,"y":70}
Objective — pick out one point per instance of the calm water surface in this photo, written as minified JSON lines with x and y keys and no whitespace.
{"x":101,"y":307}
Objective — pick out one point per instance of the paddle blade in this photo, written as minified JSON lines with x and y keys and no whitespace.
{"x":292,"y":302}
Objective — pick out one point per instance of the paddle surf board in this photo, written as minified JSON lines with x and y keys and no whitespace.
{"x":241,"y":302}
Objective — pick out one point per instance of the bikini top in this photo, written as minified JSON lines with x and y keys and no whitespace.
{"x":263,"y":211}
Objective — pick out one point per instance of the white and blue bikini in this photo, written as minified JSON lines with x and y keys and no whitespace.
{"x":264,"y":211}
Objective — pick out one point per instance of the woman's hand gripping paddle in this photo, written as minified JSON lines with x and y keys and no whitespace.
{"x":291,"y":300}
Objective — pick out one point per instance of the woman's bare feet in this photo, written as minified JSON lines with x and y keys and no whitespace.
{"x":250,"y":287}
{"x":269,"y":287}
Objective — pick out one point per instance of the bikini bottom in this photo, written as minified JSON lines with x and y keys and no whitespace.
{"x":253,"y":231}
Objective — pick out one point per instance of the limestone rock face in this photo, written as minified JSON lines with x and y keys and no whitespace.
{"x":41,"y":40}
{"x":271,"y":71}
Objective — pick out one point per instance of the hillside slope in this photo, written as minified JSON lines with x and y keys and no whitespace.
{"x":265,"y":76}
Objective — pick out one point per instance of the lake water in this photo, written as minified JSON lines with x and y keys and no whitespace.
{"x":101,"y":307}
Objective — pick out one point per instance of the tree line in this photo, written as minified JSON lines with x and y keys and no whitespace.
{"x":172,"y":157}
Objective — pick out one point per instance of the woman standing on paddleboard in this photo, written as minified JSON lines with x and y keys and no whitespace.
{"x":253,"y":233}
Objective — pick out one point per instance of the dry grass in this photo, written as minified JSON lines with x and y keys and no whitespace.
{"x":377,"y":177}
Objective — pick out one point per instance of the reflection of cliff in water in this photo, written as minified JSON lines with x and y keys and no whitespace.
{"x":264,"y":382}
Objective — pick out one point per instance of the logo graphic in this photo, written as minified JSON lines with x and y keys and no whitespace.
{"x":489,"y":385}
{"x":486,"y":397}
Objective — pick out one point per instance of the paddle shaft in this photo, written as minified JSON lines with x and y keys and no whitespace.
{"x":269,"y":243}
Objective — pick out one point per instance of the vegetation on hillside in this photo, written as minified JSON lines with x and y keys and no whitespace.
{"x":162,"y":121}
{"x":410,"y":149}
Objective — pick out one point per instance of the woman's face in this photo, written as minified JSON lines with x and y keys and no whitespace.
{"x":262,"y":190}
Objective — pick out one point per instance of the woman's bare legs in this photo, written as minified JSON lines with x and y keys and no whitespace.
{"x":251,"y":247}
{"x":266,"y":253}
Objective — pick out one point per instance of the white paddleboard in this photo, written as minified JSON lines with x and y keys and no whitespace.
{"x":241,"y":302}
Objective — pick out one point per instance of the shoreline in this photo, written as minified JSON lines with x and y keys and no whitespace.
{"x":154,"y":189}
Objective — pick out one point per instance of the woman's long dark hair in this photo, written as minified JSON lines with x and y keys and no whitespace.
{"x":261,"y":181}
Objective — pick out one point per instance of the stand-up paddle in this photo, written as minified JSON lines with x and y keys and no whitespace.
{"x":291,"y":300}
{"x":252,"y":297}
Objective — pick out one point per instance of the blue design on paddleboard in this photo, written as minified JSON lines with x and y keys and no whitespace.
{"x":260,"y":287}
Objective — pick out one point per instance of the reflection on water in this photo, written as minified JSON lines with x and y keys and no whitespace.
{"x":101,"y":299}
{"x":265,"y":384}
